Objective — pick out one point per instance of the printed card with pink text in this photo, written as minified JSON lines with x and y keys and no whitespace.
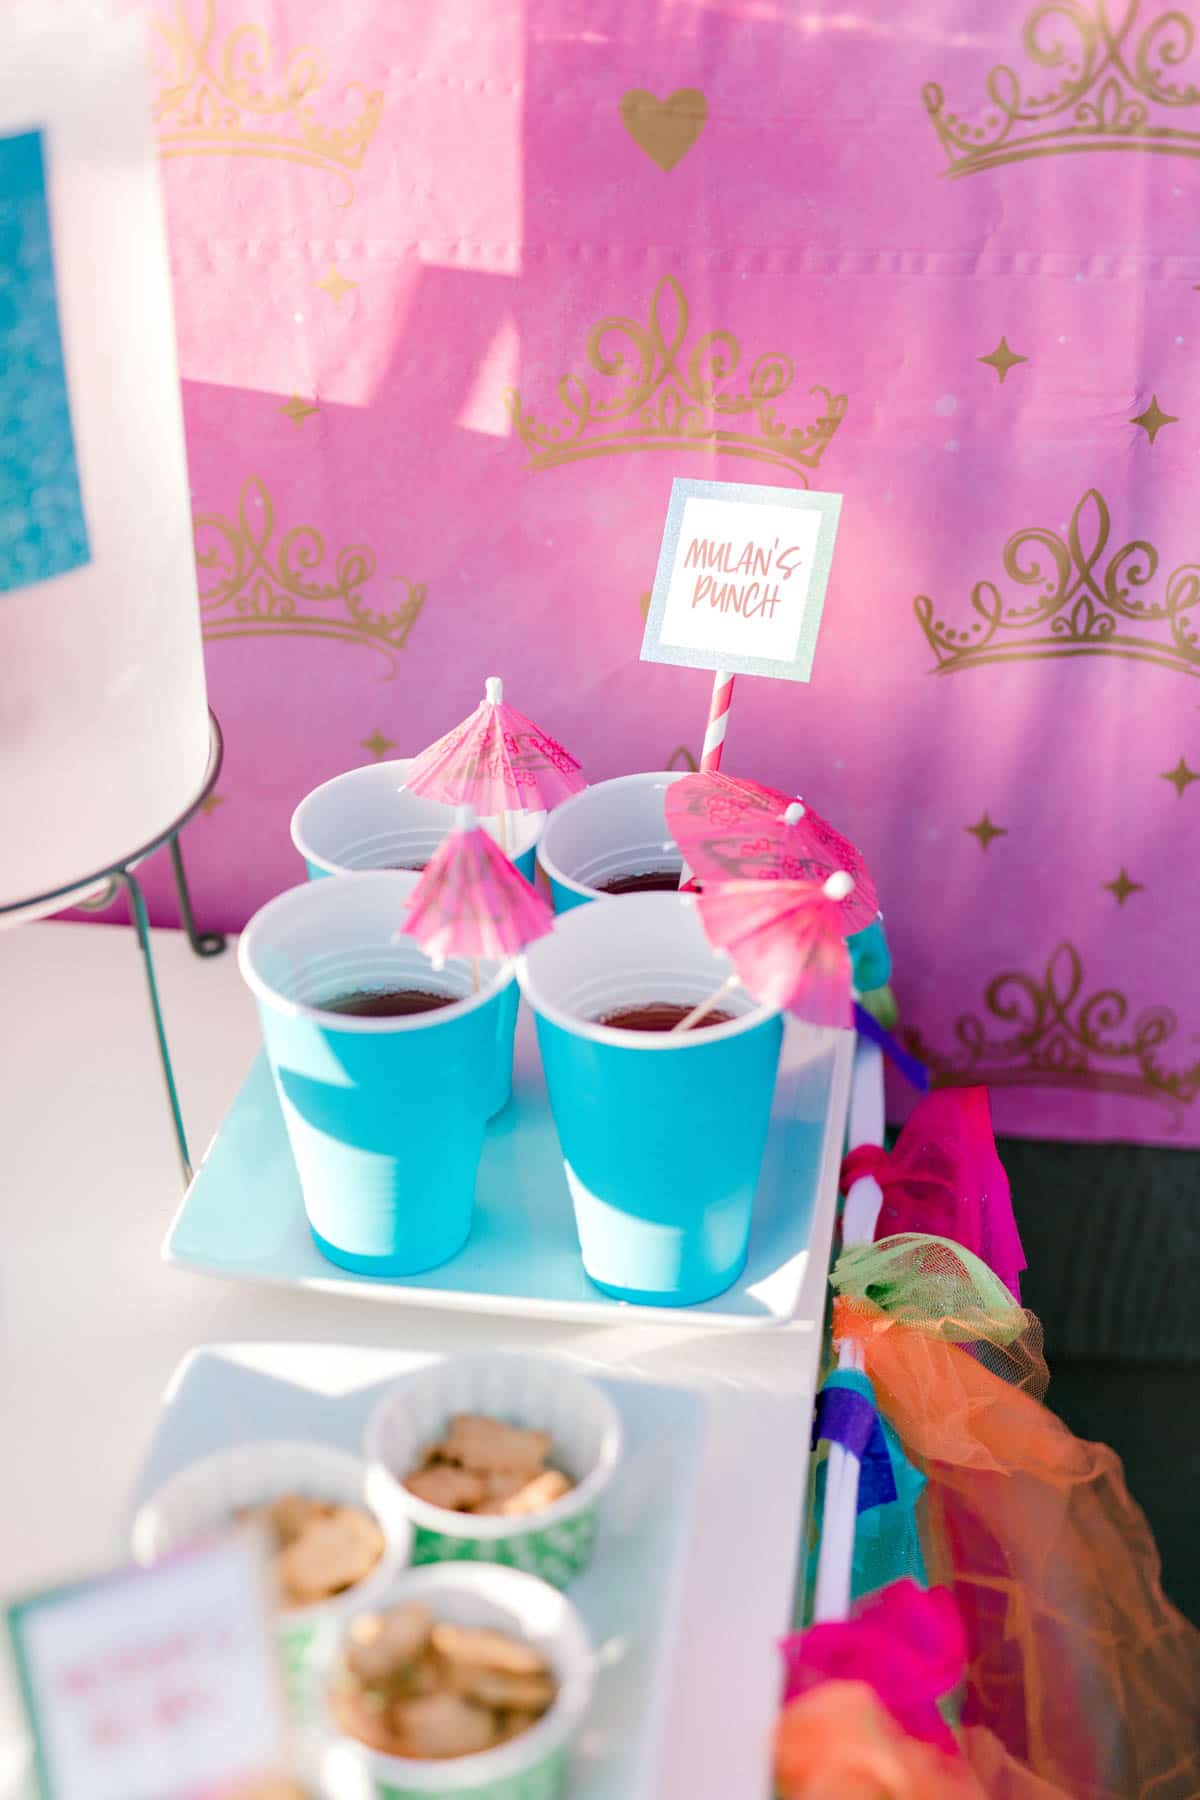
{"x":741,"y":578}
{"x":160,"y":1681}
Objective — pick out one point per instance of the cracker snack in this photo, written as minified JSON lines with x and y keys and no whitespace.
{"x":410,"y":1686}
{"x":321,"y":1549}
{"x":484,"y":1466}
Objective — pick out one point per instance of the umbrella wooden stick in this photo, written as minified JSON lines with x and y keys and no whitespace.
{"x":706,"y":1006}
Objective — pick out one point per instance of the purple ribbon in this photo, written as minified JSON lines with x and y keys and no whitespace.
{"x":844,"y":1416}
{"x":914,"y":1072}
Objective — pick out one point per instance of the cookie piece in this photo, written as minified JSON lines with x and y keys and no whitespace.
{"x":444,"y":1725}
{"x":499,"y":1689}
{"x":534,"y":1496}
{"x":515,"y":1724}
{"x":382,"y":1646}
{"x":289,"y":1516}
{"x":456,"y":1489}
{"x":365,"y":1717}
{"x":488,"y":1446}
{"x":483,"y":1649}
{"x":330,"y":1555}
{"x":501,"y":1487}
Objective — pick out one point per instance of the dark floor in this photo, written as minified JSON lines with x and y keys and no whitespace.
{"x":1112,"y":1240}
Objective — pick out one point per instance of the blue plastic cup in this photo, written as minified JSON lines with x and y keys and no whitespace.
{"x":662,"y":1134}
{"x":385,"y":1116}
{"x":620,"y":828}
{"x":365,"y":819}
{"x":612,"y":828}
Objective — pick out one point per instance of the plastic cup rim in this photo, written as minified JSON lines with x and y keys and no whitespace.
{"x":548,"y":863}
{"x":350,"y":1022}
{"x":296,"y":828}
{"x":594,"y":1032}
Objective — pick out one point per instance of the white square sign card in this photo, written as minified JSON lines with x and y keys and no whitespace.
{"x":153,"y":1684}
{"x":741,"y":578}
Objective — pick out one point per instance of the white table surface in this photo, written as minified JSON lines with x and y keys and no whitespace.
{"x":92,"y":1325}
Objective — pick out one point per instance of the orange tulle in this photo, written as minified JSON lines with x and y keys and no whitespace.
{"x":837,"y":1742}
{"x":1077,"y":1663}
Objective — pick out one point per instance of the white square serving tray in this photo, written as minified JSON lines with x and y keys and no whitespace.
{"x":629,"y":1597}
{"x":243,"y":1216}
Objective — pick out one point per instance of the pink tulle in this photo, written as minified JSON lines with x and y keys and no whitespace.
{"x":733,"y":830}
{"x":907,"y":1643}
{"x":471,"y":901}
{"x":496,"y":761}
{"x":787,"y":945}
{"x":944,"y":1179}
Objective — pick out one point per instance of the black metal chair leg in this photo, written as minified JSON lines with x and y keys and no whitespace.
{"x":206,"y":943}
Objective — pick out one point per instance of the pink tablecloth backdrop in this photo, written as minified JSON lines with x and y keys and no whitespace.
{"x":396,"y":226}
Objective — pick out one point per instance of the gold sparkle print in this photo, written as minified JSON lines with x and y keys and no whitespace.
{"x":1121,"y":887}
{"x":985,"y":831}
{"x":378,"y":745}
{"x":1181,"y":777}
{"x":1002,"y":359}
{"x":336,"y":285}
{"x":1154,"y":418}
{"x":298,"y":409}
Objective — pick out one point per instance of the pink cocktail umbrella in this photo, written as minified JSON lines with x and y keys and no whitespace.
{"x":731,"y":830}
{"x":471,"y":901}
{"x":497,"y":761}
{"x":787,"y":942}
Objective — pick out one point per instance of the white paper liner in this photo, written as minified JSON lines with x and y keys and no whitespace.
{"x":508,"y":1600}
{"x":203,"y":1498}
{"x":539,"y":1393}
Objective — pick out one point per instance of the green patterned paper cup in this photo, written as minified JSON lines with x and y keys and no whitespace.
{"x":539,"y":1393}
{"x":202,"y":1499}
{"x":534,"y":1765}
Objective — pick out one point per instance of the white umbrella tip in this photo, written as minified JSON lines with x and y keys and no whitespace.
{"x":794,"y":813}
{"x":493,"y":690}
{"x":839,"y":886}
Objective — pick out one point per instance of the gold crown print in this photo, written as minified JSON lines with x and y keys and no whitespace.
{"x":1067,"y":600}
{"x":246,"y":590}
{"x":1049,"y":1033}
{"x":236,"y":95}
{"x":654,"y":399}
{"x":1100,"y":77}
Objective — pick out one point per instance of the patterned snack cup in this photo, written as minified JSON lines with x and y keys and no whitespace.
{"x":203,"y":1498}
{"x":533,"y":1766}
{"x":538,"y":1393}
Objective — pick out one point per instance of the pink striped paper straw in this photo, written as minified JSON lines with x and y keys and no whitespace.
{"x":718,"y":720}
{"x":714,"y":743}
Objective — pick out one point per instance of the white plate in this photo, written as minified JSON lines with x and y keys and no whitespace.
{"x":243,"y":1216}
{"x":630,"y":1596}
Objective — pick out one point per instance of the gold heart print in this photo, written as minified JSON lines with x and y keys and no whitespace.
{"x":664,"y":129}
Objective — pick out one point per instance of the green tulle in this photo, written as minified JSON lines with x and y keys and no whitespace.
{"x":933,"y":1284}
